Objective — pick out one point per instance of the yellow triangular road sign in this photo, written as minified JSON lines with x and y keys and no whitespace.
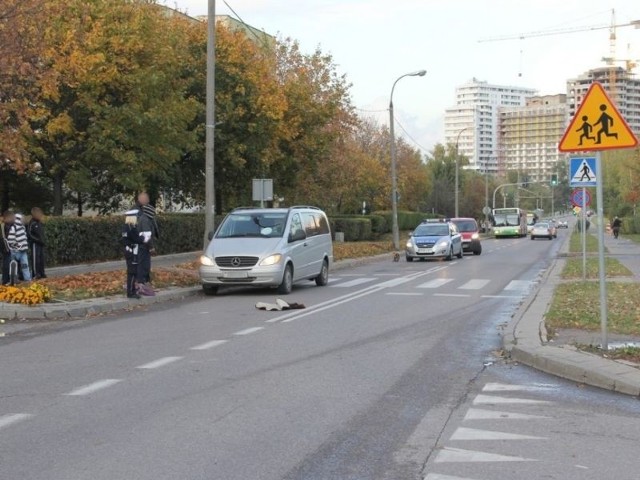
{"x":597,"y":125}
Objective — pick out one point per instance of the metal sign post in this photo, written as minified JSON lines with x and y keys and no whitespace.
{"x":584,"y":233}
{"x":601,"y":263}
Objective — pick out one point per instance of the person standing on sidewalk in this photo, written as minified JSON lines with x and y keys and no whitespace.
{"x":37,"y":238}
{"x":4,"y":247}
{"x":148,"y":227}
{"x":19,"y":244}
{"x":131,"y":240}
{"x":615,"y":226}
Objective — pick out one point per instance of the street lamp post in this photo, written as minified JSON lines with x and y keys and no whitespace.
{"x":394,"y":180}
{"x":457,"y":181}
{"x":210,"y":122}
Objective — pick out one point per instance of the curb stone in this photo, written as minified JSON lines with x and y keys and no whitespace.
{"x":526,"y":341}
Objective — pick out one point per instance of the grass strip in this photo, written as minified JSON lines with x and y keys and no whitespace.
{"x":613,"y":268}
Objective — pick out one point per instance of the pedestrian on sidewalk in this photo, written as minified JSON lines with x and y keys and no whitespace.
{"x":4,"y":247}
{"x":615,"y":226}
{"x":19,"y":244}
{"x":148,"y":227}
{"x":38,"y":242}
{"x":131,"y":240}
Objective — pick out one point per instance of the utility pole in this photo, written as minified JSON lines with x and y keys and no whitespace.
{"x":210,"y":123}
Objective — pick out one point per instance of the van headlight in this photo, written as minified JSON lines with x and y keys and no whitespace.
{"x":271,"y":260}
{"x":207,"y":261}
{"x":475,"y":236}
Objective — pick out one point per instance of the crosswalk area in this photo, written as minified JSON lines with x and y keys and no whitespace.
{"x":444,"y":286}
{"x":503,"y":425}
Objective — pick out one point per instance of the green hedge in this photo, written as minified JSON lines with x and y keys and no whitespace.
{"x":630,"y":225}
{"x":73,"y":240}
{"x":355,"y":229}
{"x":406,"y":220}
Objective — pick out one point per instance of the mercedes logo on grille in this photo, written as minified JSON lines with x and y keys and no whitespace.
{"x":235,"y":261}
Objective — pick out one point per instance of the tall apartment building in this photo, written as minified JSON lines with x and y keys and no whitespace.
{"x":529,"y":136}
{"x":621,"y":85}
{"x":474,"y":120}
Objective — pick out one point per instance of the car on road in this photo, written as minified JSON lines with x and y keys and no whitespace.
{"x":563,"y":224}
{"x":434,"y":239}
{"x":541,"y":230}
{"x":268,"y":247}
{"x":468,"y":228}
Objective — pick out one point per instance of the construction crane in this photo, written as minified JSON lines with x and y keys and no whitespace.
{"x":611,"y":60}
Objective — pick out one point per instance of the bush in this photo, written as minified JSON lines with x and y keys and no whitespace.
{"x":73,"y":240}
{"x":630,"y":225}
{"x":379,"y":224}
{"x":406,"y":220}
{"x":356,"y":228}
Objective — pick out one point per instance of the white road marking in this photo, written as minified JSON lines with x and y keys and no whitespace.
{"x":161,"y":362}
{"x":480,"y":414}
{"x":387,"y":274}
{"x":505,"y":387}
{"x":10,"y":419}
{"x":581,"y":467}
{"x":518,"y":285}
{"x":494,"y":400}
{"x":93,"y":387}
{"x":249,"y":331}
{"x":436,"y":283}
{"x":458,"y":455}
{"x":437,"y":476}
{"x":463,"y":433}
{"x":407,"y":294}
{"x":475,"y":284}
{"x":458,"y":295}
{"x":208,"y":345}
{"x":354,"y":283}
{"x":500,"y":296}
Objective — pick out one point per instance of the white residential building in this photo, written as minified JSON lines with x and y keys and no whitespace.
{"x":474,"y":120}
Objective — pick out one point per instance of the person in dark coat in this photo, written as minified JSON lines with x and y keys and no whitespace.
{"x":38,"y":242}
{"x":148,"y":226}
{"x":131,"y":240}
{"x":7,"y":221}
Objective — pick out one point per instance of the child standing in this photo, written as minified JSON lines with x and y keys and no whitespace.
{"x":131,"y":239}
{"x":19,"y":245}
{"x":37,"y":237}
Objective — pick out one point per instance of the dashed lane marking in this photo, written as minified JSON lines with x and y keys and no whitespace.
{"x":480,"y":414}
{"x":463,"y":433}
{"x":436,"y":283}
{"x":354,"y":283}
{"x":475,"y":284}
{"x":161,"y":362}
{"x":208,"y":345}
{"x":405,"y":294}
{"x":518,"y":285}
{"x":249,"y":331}
{"x":93,"y":387}
{"x":458,"y":295}
{"x":6,"y":420}
{"x":495,"y":400}
{"x":506,"y":387}
{"x":458,"y":455}
{"x":437,"y":476}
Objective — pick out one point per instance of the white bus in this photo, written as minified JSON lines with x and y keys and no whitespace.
{"x":509,"y":222}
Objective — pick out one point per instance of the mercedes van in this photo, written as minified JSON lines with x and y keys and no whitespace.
{"x":268,"y":247}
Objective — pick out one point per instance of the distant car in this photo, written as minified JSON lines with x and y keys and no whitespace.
{"x":553,"y":226}
{"x":541,"y":230}
{"x":563,"y":224}
{"x":434,"y":239}
{"x":470,"y":232}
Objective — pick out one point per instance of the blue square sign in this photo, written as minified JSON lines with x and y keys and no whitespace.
{"x":582,"y":172}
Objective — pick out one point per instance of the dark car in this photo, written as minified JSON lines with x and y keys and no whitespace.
{"x":470,"y":232}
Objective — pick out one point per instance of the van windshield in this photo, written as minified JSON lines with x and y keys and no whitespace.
{"x":258,"y":225}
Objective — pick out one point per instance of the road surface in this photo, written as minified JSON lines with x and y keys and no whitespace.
{"x":392,"y":372}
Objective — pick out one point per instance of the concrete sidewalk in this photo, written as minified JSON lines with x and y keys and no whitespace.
{"x":526,"y":337}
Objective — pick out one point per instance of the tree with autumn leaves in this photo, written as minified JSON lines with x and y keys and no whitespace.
{"x":103,"y":98}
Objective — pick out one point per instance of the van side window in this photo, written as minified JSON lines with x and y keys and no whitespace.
{"x":296,"y":225}
{"x":323,"y":224}
{"x":310,"y":226}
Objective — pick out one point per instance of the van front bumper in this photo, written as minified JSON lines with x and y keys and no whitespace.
{"x":264,"y":276}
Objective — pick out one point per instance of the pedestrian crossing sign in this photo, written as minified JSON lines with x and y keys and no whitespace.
{"x":597,"y":125}
{"x":582,"y":172}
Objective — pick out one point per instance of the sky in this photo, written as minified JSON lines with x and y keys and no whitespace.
{"x":373,"y":42}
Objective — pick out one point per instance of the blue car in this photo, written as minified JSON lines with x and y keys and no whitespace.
{"x":434,"y":239}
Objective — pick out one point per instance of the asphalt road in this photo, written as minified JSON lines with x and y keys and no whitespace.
{"x":390,"y":373}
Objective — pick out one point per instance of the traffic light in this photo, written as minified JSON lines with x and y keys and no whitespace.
{"x":554,"y":179}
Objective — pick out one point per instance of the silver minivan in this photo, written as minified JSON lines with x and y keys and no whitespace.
{"x":268,"y":247}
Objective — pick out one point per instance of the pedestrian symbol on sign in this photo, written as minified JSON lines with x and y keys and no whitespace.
{"x":582,"y":172}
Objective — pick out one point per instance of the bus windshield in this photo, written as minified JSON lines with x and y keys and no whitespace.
{"x":506,"y":220}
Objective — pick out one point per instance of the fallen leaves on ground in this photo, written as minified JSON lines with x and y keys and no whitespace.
{"x":346,"y":250}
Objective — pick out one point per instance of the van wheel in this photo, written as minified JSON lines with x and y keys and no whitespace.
{"x":210,"y":290}
{"x":478,"y":251}
{"x":323,"y":278}
{"x":287,"y":281}
{"x":409,"y":259}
